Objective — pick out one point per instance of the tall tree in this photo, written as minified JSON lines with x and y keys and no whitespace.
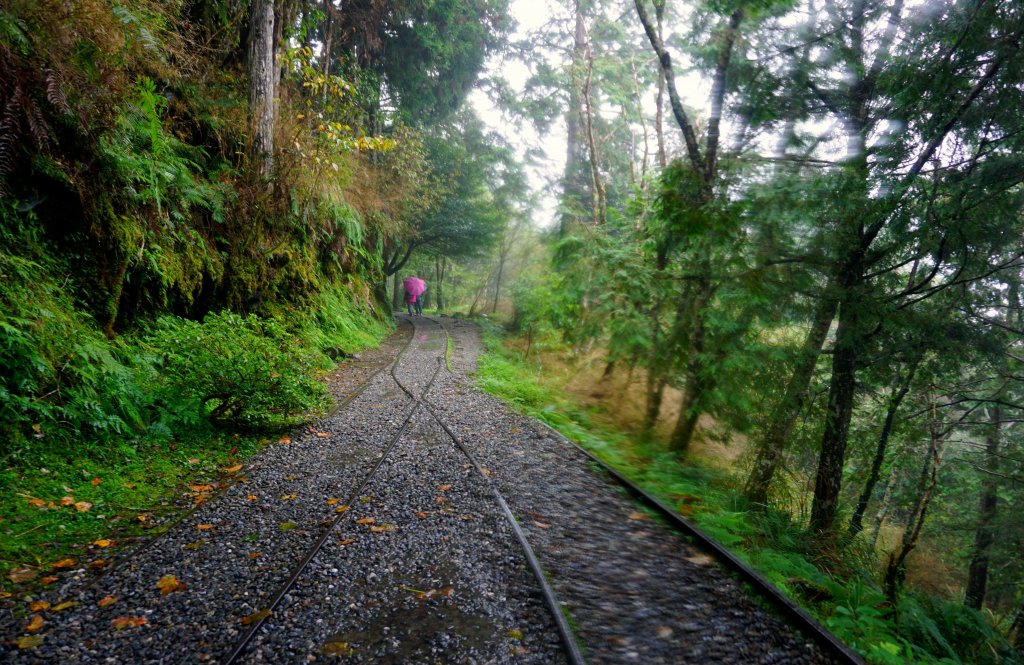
{"x":263,"y":76}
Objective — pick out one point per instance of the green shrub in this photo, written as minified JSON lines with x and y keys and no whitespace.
{"x":237,"y":370}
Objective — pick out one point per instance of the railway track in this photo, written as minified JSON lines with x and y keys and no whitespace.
{"x":252,"y":639}
{"x":419,"y":402}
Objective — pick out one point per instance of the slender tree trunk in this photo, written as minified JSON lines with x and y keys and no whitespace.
{"x":977,"y":575}
{"x":659,"y":102}
{"x":896,"y":570}
{"x":900,"y":391}
{"x":883,"y":510}
{"x":442,"y":273}
{"x":784,"y":416}
{"x":695,"y":375}
{"x":655,"y":392}
{"x":262,"y":76}
{"x":597,"y":190}
{"x":1018,"y":627}
{"x":497,"y":281}
{"x":829,"y":479}
{"x":397,"y":295}
{"x":573,"y":188}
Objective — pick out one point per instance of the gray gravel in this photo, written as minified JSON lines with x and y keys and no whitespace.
{"x":437,"y":576}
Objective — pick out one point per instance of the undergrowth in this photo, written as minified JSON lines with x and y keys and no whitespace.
{"x":921,"y":629}
{"x":99,"y":437}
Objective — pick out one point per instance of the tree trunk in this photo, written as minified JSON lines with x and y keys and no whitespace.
{"x":883,"y":510}
{"x":442,"y":270}
{"x":899,"y":392}
{"x":842,"y":384}
{"x":497,"y":281}
{"x":896,"y":570}
{"x":397,"y":295}
{"x":659,"y":101}
{"x":262,"y":76}
{"x":1018,"y":626}
{"x":696,"y":368}
{"x":977,"y":575}
{"x":573,"y":187}
{"x":783,"y":418}
{"x":655,"y":392}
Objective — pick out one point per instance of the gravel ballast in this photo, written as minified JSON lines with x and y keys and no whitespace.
{"x":418,"y":563}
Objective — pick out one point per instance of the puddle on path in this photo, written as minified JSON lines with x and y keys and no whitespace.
{"x":420,"y":632}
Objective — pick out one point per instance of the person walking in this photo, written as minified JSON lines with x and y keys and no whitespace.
{"x":414,"y":290}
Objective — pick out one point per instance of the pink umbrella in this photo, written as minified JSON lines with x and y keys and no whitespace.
{"x":414,"y":286}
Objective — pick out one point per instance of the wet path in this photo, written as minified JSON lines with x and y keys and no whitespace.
{"x":370,"y":536}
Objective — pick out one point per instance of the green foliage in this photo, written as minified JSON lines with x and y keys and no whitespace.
{"x":237,"y":370}
{"x":62,"y":380}
{"x":341,"y":327}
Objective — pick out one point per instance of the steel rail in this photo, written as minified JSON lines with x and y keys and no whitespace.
{"x":828,"y":642}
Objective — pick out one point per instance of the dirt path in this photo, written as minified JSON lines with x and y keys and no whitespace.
{"x":407,"y":556}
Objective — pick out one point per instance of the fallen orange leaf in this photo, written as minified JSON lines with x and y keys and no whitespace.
{"x":67,"y":501}
{"x":169,"y":584}
{"x":35,"y":623}
{"x":254,"y":555}
{"x":440,"y":499}
{"x":285,"y":439}
{"x":29,"y":641}
{"x":366,"y":520}
{"x":83,"y":506}
{"x":201,"y":488}
{"x":121,"y":623}
{"x":98,"y":563}
{"x":22,"y":575}
{"x":48,"y":580}
{"x":444,"y":488}
{"x":103,"y":542}
{"x":142,"y":518}
{"x":106,"y":601}
{"x":60,"y":607}
{"x":200,"y":500}
{"x":204,"y":527}
{"x":347,"y":541}
{"x":192,"y":460}
{"x":256,"y":616}
{"x":638,"y":516}
{"x":38,"y":503}
{"x":63,"y":563}
{"x":96,"y":481}
{"x":324,"y":435}
{"x":421,"y":514}
{"x":541,"y":525}
{"x":251,"y":497}
{"x":38,"y":605}
{"x":331,"y":502}
{"x":341,"y":509}
{"x":383,"y":528}
{"x":289,"y":497}
{"x":233,"y":469}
